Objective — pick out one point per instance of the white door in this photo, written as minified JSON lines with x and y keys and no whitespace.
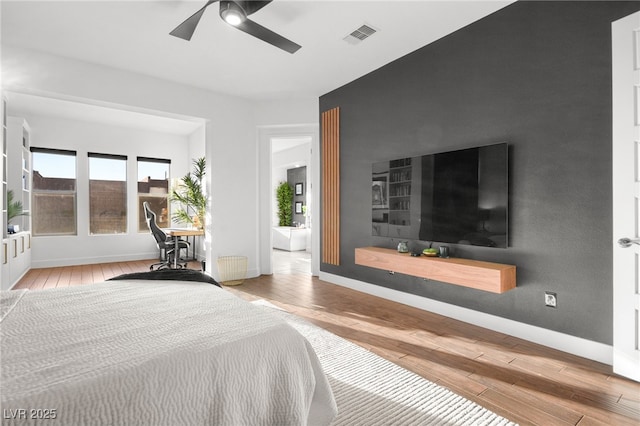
{"x":626,"y":196}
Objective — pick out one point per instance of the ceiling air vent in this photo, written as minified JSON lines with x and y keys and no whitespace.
{"x":360,"y":34}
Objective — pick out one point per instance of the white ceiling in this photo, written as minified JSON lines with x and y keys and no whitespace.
{"x":134,"y":36}
{"x":21,"y":103}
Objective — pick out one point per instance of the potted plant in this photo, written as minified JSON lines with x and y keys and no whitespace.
{"x":284,"y":194}
{"x":14,"y":209}
{"x":189,"y":194}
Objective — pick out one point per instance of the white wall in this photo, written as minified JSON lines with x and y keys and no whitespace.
{"x":83,"y":137}
{"x":197,"y":144}
{"x":287,"y":113}
{"x":230,"y":146}
{"x":232,"y":135}
{"x":293,"y":118}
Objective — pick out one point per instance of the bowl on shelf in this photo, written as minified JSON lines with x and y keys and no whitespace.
{"x":431,"y":252}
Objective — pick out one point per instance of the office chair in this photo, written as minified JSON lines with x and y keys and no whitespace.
{"x":163,"y":242}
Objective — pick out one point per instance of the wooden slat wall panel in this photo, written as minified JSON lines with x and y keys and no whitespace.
{"x":331,"y":186}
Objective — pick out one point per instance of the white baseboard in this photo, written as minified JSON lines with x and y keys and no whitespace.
{"x":553,"y":339}
{"x":74,"y":261}
{"x":253,"y":272}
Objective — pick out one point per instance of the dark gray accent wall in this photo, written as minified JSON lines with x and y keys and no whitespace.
{"x":538,"y":76}
{"x":294,"y":177}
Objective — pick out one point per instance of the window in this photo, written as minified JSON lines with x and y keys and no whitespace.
{"x":107,"y":194}
{"x":153,"y":187}
{"x":54,"y":192}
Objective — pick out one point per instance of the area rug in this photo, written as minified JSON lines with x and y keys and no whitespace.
{"x":371,"y":390}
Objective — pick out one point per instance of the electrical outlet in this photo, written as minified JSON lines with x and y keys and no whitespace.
{"x":550,"y":299}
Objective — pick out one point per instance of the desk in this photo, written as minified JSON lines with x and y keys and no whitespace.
{"x":176,"y":233}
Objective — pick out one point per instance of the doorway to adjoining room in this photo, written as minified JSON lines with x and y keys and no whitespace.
{"x":291,"y":244}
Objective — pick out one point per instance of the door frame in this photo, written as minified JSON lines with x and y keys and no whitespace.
{"x":265,"y":193}
{"x":626,"y":357}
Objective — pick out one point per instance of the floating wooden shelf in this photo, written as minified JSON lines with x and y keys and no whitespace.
{"x":487,"y":276}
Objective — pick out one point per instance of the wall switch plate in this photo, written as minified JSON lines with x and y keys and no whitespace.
{"x":550,"y":299}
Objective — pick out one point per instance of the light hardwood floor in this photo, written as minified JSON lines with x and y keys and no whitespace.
{"x":524,"y":382}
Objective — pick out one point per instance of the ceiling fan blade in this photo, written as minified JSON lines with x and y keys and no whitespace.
{"x":264,"y":34}
{"x":186,"y":29}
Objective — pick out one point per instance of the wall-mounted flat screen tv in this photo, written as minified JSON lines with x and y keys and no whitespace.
{"x":458,"y":197}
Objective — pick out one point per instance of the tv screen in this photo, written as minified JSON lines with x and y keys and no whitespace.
{"x":458,"y":197}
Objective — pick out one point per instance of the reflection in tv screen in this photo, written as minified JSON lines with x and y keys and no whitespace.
{"x":458,"y":197}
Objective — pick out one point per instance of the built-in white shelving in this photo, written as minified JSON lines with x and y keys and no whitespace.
{"x":4,"y":247}
{"x":16,"y":174}
{"x":3,"y":194}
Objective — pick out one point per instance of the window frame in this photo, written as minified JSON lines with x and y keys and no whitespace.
{"x":140,"y":218}
{"x":36,"y":191}
{"x":103,"y":156}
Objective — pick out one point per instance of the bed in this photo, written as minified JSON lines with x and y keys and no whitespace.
{"x":154,"y":352}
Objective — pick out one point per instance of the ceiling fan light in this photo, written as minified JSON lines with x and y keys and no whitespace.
{"x":232,"y":14}
{"x":232,"y":18}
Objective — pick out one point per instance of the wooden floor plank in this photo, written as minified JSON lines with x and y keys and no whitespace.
{"x":87,"y":274}
{"x":54,"y":277}
{"x":76,"y":275}
{"x":30,"y":277}
{"x":39,"y":280}
{"x":96,"y":272}
{"x":65,"y":277}
{"x":527,"y":383}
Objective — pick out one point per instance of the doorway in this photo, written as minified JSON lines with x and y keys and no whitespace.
{"x":290,"y":158}
{"x":287,"y":147}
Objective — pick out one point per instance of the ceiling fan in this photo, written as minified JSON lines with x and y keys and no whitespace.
{"x":235,"y":13}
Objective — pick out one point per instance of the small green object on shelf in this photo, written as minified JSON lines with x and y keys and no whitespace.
{"x":432,"y":252}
